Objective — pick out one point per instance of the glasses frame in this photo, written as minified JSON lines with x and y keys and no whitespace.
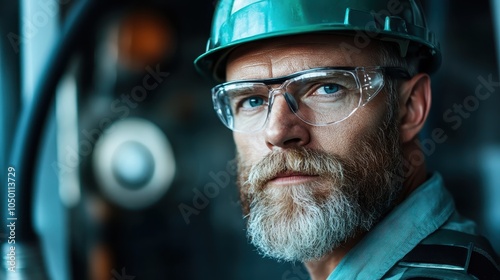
{"x":393,"y":72}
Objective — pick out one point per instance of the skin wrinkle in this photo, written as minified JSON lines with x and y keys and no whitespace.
{"x":299,"y":53}
{"x":256,"y":66}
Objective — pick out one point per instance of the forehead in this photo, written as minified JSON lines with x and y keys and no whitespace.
{"x":282,"y":56}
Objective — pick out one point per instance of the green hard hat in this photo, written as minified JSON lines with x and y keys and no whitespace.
{"x":237,"y":22}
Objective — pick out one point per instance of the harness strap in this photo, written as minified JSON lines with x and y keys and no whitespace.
{"x":447,"y":254}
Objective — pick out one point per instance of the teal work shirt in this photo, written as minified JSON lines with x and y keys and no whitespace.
{"x":428,"y":208}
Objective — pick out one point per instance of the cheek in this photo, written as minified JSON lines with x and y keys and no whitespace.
{"x":336,"y":139}
{"x":250,"y":147}
{"x":341,"y":138}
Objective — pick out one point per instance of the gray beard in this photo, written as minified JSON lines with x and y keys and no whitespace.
{"x":307,"y":232}
{"x":306,"y":222}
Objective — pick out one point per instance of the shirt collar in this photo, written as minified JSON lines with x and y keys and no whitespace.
{"x":424,"y":211}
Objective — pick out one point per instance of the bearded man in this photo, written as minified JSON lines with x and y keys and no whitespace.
{"x":326,"y":100}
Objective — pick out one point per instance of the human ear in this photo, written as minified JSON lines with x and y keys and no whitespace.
{"x":414,"y":104}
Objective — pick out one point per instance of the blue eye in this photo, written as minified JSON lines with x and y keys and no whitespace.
{"x":329,"y":89}
{"x":252,"y":102}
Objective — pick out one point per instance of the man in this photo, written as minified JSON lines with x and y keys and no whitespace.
{"x":326,"y":100}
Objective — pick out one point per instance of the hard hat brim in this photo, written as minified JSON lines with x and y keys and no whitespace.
{"x":212,"y":62}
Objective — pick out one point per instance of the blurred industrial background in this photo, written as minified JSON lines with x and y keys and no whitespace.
{"x":136,"y":176}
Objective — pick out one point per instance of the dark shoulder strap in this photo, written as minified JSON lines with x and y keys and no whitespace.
{"x":448,"y":254}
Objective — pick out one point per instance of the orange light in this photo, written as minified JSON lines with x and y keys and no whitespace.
{"x":145,"y":38}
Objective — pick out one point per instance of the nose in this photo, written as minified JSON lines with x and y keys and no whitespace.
{"x":284,"y":129}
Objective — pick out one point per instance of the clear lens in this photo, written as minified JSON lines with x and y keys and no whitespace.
{"x":242,"y":107}
{"x":325,"y":97}
{"x":317,"y":97}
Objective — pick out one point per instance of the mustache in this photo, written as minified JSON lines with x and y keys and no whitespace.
{"x":299,"y":160}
